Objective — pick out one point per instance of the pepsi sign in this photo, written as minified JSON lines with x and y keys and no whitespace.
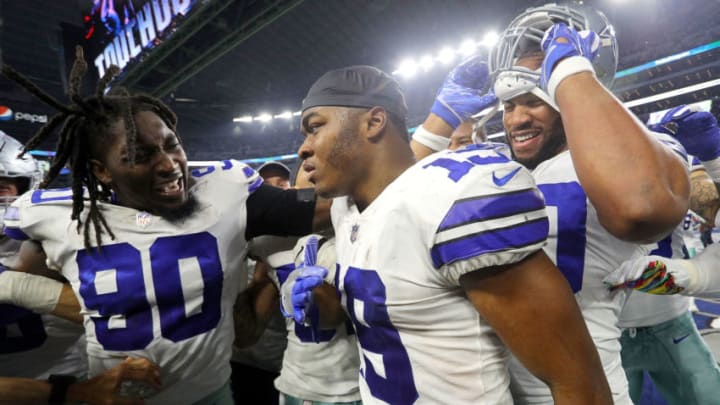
{"x":6,"y":114}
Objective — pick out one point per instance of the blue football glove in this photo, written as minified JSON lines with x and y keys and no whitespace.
{"x":561,"y":42}
{"x":696,"y":130}
{"x":461,"y":95}
{"x":296,"y":293}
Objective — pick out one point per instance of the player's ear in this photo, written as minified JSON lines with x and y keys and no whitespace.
{"x":101,"y":172}
{"x":376,"y":121}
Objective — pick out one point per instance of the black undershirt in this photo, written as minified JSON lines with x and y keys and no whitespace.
{"x":273,"y":211}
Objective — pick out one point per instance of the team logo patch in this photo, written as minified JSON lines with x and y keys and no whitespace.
{"x":143,"y":219}
{"x":354,"y":233}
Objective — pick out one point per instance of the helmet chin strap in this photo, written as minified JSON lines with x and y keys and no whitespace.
{"x":519,"y":80}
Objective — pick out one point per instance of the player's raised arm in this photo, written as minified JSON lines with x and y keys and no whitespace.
{"x":531,"y":307}
{"x":461,"y":95}
{"x":651,"y":196}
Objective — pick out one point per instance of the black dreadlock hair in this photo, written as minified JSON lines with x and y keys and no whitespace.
{"x":86,"y":121}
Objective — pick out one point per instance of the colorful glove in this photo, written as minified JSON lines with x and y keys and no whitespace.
{"x":296,"y":293}
{"x":650,"y":274}
{"x":576,"y":49}
{"x":461,"y":95}
{"x":36,"y":293}
{"x":697,"y":130}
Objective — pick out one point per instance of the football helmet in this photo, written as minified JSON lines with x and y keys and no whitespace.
{"x":526,"y":31}
{"x":14,"y":167}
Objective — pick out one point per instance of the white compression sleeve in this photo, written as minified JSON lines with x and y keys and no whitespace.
{"x":36,"y":293}
{"x":704,"y":272}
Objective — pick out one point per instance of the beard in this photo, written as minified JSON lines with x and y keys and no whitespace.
{"x":555,"y":143}
{"x":181,"y":213}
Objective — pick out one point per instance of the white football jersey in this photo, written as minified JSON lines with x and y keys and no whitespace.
{"x":642,"y":309}
{"x":160,"y":290}
{"x":400,"y":260}
{"x":585,"y":253}
{"x":320,"y":368}
{"x":33,"y":345}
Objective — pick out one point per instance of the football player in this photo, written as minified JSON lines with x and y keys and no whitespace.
{"x":440,"y":261}
{"x":152,"y":250}
{"x":551,"y":68}
{"x":660,"y":338}
{"x":541,"y":66}
{"x":32,"y":345}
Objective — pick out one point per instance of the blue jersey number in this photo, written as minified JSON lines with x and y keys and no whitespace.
{"x":570,"y":201}
{"x":394,"y":384}
{"x":457,"y":169}
{"x":664,"y":247}
{"x":112,"y":283}
{"x":20,"y":329}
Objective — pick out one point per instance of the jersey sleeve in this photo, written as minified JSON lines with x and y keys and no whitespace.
{"x":39,"y":215}
{"x":231,"y":171}
{"x":674,"y":145}
{"x":695,"y":163}
{"x":495,"y":216}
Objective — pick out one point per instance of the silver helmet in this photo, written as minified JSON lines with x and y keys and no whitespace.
{"x":17,"y":167}
{"x":526,"y":31}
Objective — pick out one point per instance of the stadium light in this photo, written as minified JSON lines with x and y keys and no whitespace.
{"x":285,"y":115}
{"x":490,"y":39}
{"x":263,"y":117}
{"x":446,"y":56}
{"x":426,"y":63}
{"x":467,"y":48}
{"x":244,"y":118}
{"x":407,"y":68}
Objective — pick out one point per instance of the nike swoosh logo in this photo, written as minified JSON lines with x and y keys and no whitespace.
{"x":680,"y":339}
{"x":501,"y":181}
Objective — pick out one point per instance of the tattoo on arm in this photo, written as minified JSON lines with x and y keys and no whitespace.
{"x":704,"y":199}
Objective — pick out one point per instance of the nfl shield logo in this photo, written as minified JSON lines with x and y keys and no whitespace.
{"x":143,"y":219}
{"x":354,"y":232}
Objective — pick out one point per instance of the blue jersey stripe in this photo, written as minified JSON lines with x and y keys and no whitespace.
{"x":284,"y":271}
{"x":15,"y":233}
{"x":488,"y":207}
{"x":676,"y":147}
{"x":255,"y":185}
{"x":495,"y":240}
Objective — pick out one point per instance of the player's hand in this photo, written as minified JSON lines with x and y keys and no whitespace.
{"x":296,"y":293}
{"x":696,"y":130}
{"x":650,"y":274}
{"x":125,"y":384}
{"x":463,"y":92}
{"x":561,"y":42}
